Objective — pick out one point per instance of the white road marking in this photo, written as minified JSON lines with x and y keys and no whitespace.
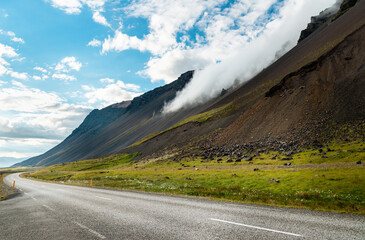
{"x":49,"y":208}
{"x":30,"y":196}
{"x":90,"y":230}
{"x":103,"y":198}
{"x":260,"y":228}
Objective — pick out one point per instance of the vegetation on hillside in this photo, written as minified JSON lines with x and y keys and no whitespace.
{"x":330,"y":178}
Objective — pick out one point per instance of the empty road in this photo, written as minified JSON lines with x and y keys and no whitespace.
{"x":53,"y":211}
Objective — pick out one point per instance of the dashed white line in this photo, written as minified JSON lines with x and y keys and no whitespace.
{"x":31,"y":196}
{"x":90,"y":230}
{"x":103,"y":198}
{"x":48,"y":207}
{"x":260,"y":228}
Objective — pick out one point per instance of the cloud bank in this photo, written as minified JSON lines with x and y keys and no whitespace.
{"x":251,"y":56}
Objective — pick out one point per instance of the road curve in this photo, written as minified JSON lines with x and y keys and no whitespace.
{"x":54,"y":211}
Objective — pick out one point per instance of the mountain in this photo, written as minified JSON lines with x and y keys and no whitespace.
{"x":310,"y":96}
{"x":306,"y":98}
{"x":115,"y":127}
{"x":326,"y":17}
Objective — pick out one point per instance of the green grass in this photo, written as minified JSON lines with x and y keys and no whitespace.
{"x":199,"y":118}
{"x":3,"y":192}
{"x":335,"y":183}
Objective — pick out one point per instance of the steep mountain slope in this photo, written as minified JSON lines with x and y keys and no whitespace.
{"x":330,"y":89}
{"x":292,"y":102}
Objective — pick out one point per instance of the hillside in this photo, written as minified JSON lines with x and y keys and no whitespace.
{"x":115,"y":127}
{"x":291,"y":103}
{"x":303,"y":99}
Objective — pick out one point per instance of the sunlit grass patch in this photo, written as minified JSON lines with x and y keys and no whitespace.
{"x":332,"y":183}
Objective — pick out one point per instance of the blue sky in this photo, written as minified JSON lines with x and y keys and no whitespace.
{"x":59,"y":59}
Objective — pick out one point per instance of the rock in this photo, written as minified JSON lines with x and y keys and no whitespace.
{"x":188,"y":178}
{"x":234,"y":175}
{"x":274,"y":180}
{"x":317,"y":144}
{"x":287,"y":164}
{"x":289,"y":154}
{"x":287,"y":158}
{"x":238,"y":160}
{"x":358,"y":162}
{"x":255,"y":169}
{"x":220,"y":160}
{"x":167,"y":178}
{"x":324,"y":156}
{"x":179,"y":168}
{"x":196,"y":169}
{"x":250,"y":158}
{"x":229,"y":160}
{"x":320,"y":150}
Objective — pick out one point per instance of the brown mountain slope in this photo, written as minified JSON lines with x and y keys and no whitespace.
{"x":329,"y":89}
{"x":319,"y":81}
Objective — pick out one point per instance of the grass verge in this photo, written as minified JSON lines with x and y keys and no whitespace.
{"x":5,"y":190}
{"x":328,"y":179}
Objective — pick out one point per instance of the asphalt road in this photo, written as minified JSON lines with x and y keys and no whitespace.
{"x":53,"y":211}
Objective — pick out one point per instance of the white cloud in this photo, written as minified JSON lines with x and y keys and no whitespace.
{"x":68,"y":6}
{"x":11,"y":34}
{"x":166,"y":19}
{"x":41,"y":69}
{"x":3,"y":69}
{"x":251,"y":56}
{"x":65,"y":77}
{"x":19,"y":40}
{"x":94,"y":43}
{"x":75,"y":6}
{"x":107,"y":80}
{"x":32,"y":113}
{"x":67,"y":64}
{"x":100,"y":19}
{"x":112,"y":93}
{"x":14,"y":155}
{"x":23,"y":99}
{"x":25,"y":148}
{"x":22,"y":76}
{"x":2,"y":83}
{"x":36,"y":77}
{"x":7,"y":51}
{"x":21,"y":59}
{"x":219,"y":28}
